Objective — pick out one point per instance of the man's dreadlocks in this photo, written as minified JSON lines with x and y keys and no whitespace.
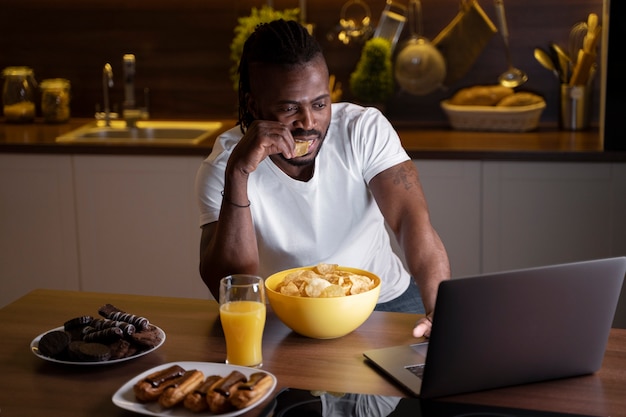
{"x":280,"y":42}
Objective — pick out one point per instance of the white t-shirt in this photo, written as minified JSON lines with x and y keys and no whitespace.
{"x":333,"y":217}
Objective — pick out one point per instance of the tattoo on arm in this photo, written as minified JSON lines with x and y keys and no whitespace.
{"x":404,"y":177}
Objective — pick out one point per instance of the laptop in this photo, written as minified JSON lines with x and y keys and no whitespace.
{"x":511,"y":328}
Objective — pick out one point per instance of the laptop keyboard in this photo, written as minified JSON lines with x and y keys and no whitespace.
{"x":417,"y":370}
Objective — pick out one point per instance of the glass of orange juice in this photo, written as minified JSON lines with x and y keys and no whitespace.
{"x":242,"y":313}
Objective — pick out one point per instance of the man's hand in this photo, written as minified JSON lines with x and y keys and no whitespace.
{"x":423,"y":326}
{"x":262,"y":139}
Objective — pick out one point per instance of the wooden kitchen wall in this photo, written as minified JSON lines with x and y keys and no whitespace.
{"x":182,"y":49}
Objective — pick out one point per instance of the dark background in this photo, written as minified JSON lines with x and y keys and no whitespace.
{"x":182,"y":49}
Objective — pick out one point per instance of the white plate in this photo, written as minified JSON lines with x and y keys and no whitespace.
{"x":34,"y":347}
{"x":125,"y":396}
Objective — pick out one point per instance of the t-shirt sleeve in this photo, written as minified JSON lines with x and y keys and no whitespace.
{"x":209,"y":182}
{"x":377,"y":143}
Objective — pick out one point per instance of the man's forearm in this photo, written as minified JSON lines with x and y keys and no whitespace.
{"x":429,"y":265}
{"x":229,"y":249}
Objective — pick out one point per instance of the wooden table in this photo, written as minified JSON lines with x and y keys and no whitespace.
{"x":31,"y":387}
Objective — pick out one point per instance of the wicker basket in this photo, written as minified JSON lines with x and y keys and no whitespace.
{"x":492,"y":118}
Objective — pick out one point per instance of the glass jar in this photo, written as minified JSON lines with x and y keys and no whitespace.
{"x":55,"y":100}
{"x":18,"y":94}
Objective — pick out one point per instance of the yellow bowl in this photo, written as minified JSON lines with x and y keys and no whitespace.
{"x":322,"y":318}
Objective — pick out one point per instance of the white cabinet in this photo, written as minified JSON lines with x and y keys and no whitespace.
{"x":37,"y":225}
{"x":453,"y":193}
{"x":494,"y":216}
{"x":116,"y":223}
{"x":138,"y":227}
{"x":542,"y":213}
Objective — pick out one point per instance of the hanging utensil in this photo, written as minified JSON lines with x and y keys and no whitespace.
{"x":354,"y":22}
{"x":512,"y":77}
{"x":391,"y":22}
{"x":420,"y":68}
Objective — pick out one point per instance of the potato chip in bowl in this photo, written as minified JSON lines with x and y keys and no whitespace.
{"x":324,"y":280}
{"x":323,"y":301}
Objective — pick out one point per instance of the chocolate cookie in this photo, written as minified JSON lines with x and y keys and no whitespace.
{"x":122,"y":349}
{"x":73,"y":350}
{"x":54,"y":343}
{"x":148,"y":338}
{"x":95,"y":352}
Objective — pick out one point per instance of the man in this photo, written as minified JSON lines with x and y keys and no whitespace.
{"x":264,"y":209}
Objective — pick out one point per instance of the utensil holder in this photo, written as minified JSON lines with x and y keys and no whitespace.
{"x":575,"y":109}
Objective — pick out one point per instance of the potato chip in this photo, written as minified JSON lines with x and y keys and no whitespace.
{"x":289,"y":289}
{"x":325,"y":280}
{"x":302,"y":147}
{"x":307,"y":275}
{"x":324,"y":269}
{"x":315,"y":287}
{"x":333,"y":290}
{"x":360,"y":283}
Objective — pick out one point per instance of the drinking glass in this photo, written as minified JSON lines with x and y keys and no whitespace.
{"x":242,"y":313}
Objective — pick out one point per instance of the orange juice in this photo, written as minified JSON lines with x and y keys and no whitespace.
{"x":243,"y":323}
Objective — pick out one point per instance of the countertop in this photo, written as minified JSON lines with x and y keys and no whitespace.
{"x":547,"y":143}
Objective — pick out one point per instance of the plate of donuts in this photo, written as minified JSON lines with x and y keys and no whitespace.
{"x":186,"y":389}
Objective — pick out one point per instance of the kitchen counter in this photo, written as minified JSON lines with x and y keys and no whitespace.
{"x":422,"y":142}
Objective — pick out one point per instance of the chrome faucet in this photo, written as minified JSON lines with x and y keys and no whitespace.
{"x":130,"y":112}
{"x":107,"y":82}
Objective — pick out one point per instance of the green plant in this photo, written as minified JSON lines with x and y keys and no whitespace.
{"x":246,"y":26}
{"x":372,"y":79}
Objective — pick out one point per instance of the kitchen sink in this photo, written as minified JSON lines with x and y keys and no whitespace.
{"x":149,"y":132}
